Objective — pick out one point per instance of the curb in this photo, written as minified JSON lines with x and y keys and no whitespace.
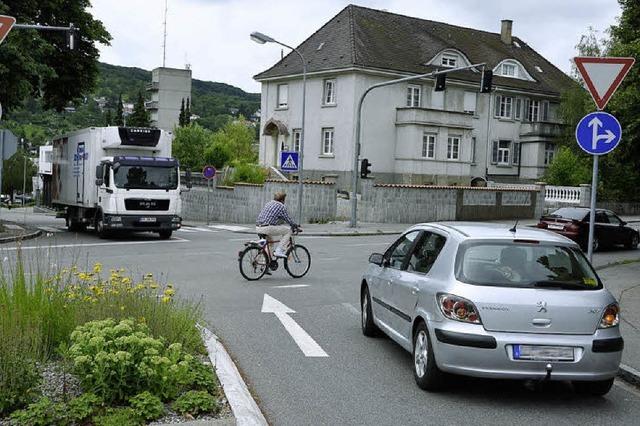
{"x":244,"y":407}
{"x":26,"y":236}
{"x":617,"y":263}
{"x":629,"y":375}
{"x":334,"y":234}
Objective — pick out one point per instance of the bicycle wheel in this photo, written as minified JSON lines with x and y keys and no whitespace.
{"x":253,"y":263}
{"x":298,"y":261}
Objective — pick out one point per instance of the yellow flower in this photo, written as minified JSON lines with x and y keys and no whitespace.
{"x":126,"y":280}
{"x":169,"y":292}
{"x":122,"y":308}
{"x":84,"y":276}
{"x":97,"y":268}
{"x":153,"y":285}
{"x":140,"y":286}
{"x":166,"y":299}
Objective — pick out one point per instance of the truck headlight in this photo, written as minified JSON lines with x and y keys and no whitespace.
{"x":116,"y":219}
{"x":176,"y":219}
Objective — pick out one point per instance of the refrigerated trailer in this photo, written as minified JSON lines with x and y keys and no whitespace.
{"x":117,"y":179}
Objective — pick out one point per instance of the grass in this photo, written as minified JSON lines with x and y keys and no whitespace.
{"x":37,"y":316}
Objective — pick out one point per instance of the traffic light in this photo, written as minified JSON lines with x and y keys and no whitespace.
{"x":486,"y":81}
{"x":365,"y":168}
{"x":441,"y":82}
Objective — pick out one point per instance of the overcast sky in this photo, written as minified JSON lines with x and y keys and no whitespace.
{"x":213,"y":35}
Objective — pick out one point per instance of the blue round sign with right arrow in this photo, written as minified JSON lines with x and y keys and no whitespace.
{"x":598,"y":133}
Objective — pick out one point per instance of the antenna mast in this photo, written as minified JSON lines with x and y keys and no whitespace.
{"x":164,"y":43}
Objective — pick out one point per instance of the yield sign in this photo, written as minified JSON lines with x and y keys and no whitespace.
{"x":6,"y":23}
{"x":603,"y":76}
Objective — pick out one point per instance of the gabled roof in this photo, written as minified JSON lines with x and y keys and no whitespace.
{"x":369,"y":38}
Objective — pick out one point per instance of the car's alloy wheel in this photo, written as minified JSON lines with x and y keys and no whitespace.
{"x":633,"y":242}
{"x":421,"y":354}
{"x":425,"y":370}
{"x":596,"y":244}
{"x":369,"y":328}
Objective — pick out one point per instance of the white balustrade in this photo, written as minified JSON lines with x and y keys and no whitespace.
{"x":562,"y":194}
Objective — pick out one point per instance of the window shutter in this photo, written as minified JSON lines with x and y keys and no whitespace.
{"x":494,"y":152}
{"x":497,"y":109}
{"x":526,"y":114}
{"x":545,"y":110}
{"x":518,"y":114}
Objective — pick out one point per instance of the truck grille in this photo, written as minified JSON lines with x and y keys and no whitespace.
{"x":142,"y":204}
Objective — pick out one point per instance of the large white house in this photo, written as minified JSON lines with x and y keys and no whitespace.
{"x":410,"y":132}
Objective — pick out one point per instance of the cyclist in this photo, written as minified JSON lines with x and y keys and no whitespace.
{"x":271,"y":222}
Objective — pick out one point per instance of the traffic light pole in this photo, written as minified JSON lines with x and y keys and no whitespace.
{"x":356,"y":148}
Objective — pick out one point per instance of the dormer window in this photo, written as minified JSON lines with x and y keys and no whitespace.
{"x":450,"y":61}
{"x":513,"y":69}
{"x":509,"y":70}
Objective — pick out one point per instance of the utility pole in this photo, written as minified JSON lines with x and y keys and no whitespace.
{"x":164,"y":43}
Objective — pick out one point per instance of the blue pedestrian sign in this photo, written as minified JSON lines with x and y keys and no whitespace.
{"x":289,"y":161}
{"x":598,"y":133}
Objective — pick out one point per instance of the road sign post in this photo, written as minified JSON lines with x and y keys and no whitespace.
{"x":599,"y":133}
{"x":289,"y":161}
{"x":209,"y":172}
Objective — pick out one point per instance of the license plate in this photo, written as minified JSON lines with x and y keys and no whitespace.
{"x":148,"y":219}
{"x":543,"y":353}
{"x":555,"y":226}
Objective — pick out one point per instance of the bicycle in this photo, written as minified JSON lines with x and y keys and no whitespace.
{"x":256,"y":259}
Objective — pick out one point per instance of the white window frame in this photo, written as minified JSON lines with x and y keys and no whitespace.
{"x":429,"y":141}
{"x":296,"y":135}
{"x":453,"y":147}
{"x":327,"y":148}
{"x":329,"y":92}
{"x":414,"y":101}
{"x":533,"y":112}
{"x":504,"y":107}
{"x":448,"y":60}
{"x":549,"y":154}
{"x":504,"y":152}
{"x":512,"y":66}
{"x":279,"y":101}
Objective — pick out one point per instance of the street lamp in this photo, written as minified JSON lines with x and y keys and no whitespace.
{"x":262,"y":39}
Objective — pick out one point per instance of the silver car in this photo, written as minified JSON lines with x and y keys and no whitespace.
{"x":487,"y":300}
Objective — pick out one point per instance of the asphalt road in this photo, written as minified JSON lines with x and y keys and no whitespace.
{"x":362,"y":380}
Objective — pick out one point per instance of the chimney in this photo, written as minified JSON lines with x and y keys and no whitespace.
{"x":505,"y":31}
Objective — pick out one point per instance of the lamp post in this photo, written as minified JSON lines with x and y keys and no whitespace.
{"x":262,"y":39}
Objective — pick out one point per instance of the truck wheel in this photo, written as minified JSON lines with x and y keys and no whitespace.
{"x":165,"y":234}
{"x":100,"y":230}
{"x":73,"y":225}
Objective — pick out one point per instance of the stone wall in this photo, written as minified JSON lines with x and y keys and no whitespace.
{"x":242,"y":203}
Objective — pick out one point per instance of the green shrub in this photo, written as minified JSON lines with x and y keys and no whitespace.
{"x":202,"y":377}
{"x":196,"y":402}
{"x":83,"y":407}
{"x":118,"y":417}
{"x":248,"y":173}
{"x":19,"y":378}
{"x":119,"y":360}
{"x":43,"y":412}
{"x":147,"y":406}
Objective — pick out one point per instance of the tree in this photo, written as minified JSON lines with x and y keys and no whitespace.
{"x":108,"y":118}
{"x":568,"y":169}
{"x":14,"y":173}
{"x":119,"y":120}
{"x":238,"y":137}
{"x":217,"y":155}
{"x":140,"y":117}
{"x":39,"y":61}
{"x":181,"y":116}
{"x":189,"y":145}
{"x":187,"y":113}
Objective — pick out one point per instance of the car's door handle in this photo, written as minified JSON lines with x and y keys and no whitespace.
{"x":541,"y":322}
{"x":415,"y":290}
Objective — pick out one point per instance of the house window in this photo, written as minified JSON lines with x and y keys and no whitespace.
{"x":327,"y":141}
{"x":516,"y":154}
{"x":449,"y":60}
{"x":504,"y":105}
{"x":296,"y":135}
{"x":413,"y":96}
{"x":329,"y":96}
{"x":453,"y":148}
{"x":533,"y":113}
{"x":283,"y":95}
{"x":509,"y":70}
{"x":518,"y":110}
{"x":500,"y":152}
{"x":549,"y":153}
{"x":429,"y":145}
{"x":470,"y":102}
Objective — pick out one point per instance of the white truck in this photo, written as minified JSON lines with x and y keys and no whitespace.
{"x":117,"y":179}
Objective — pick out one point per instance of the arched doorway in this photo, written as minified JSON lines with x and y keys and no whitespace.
{"x":277,"y":133}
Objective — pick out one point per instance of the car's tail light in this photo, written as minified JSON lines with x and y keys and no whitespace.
{"x":610,"y":316}
{"x":458,"y":308}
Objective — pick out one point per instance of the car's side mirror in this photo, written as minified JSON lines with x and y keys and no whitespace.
{"x":377,"y":258}
{"x":623,"y":223}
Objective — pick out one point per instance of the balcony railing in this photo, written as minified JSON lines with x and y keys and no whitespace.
{"x":154,"y":85}
{"x":151,"y":105}
{"x":434,"y":117}
{"x":541,"y":129}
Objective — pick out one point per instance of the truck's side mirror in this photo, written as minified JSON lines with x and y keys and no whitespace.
{"x":99,"y":175}
{"x":187,"y":177}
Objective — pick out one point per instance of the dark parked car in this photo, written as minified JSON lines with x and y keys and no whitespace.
{"x":573,"y":223}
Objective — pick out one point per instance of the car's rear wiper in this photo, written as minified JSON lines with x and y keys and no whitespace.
{"x":565,"y":285}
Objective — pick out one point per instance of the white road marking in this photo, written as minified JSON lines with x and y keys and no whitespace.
{"x":307,"y":345}
{"x":121,"y":243}
{"x":204,"y":229}
{"x":50,"y":229}
{"x":366,"y":244}
{"x":351,"y":308}
{"x":186,"y":230}
{"x":229,"y":227}
{"x":291,"y":286}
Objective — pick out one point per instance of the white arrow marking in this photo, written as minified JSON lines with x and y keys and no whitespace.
{"x":307,"y":345}
{"x":608,"y":137}
{"x":595,"y":123}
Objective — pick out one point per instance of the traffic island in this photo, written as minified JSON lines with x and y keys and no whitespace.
{"x":10,"y":232}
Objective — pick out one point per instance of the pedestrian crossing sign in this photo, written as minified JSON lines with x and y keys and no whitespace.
{"x":289,"y":161}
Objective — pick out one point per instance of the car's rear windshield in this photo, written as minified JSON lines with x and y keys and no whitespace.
{"x":570,"y":213}
{"x":527,"y":265}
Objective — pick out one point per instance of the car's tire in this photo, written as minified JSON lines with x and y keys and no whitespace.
{"x":595,"y":388}
{"x":369,"y":327}
{"x":425,"y":370}
{"x":633,"y":242}
{"x":99,"y":226}
{"x":165,"y":234}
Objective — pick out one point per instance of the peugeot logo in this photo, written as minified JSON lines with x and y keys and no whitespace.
{"x":542,"y":306}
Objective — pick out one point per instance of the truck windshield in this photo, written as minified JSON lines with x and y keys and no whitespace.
{"x":146,"y":177}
